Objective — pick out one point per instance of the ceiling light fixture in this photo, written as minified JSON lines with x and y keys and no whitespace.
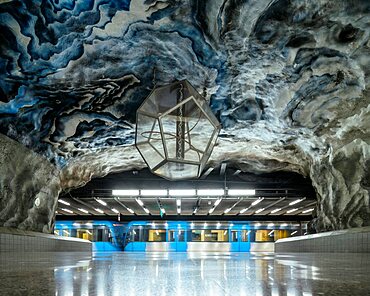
{"x":211,"y":210}
{"x":83,"y":211}
{"x":227,"y":210}
{"x":139,"y":201}
{"x":146,"y":210}
{"x":275,"y":211}
{"x":260,"y":210}
{"x":178,"y":202}
{"x":126,"y":192}
{"x":182,"y":192}
{"x":68,"y":211}
{"x":256,"y":202}
{"x":295,"y":202}
{"x":102,"y":202}
{"x":243,"y":210}
{"x":64,"y":202}
{"x":178,"y":210}
{"x":131,"y":211}
{"x":115,"y":210}
{"x":210,"y":192}
{"x":176,"y":131}
{"x":217,"y":202}
{"x":99,"y":211}
{"x":294,"y":232}
{"x":241,"y":192}
{"x":153,"y":192}
{"x":307,"y":211}
{"x":292,"y":210}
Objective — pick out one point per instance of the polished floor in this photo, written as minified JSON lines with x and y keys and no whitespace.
{"x":184,"y":274}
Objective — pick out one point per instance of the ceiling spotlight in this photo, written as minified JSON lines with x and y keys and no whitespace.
{"x":295,"y":202}
{"x":64,"y":202}
{"x":260,"y":210}
{"x":127,"y":192}
{"x":68,"y":211}
{"x":275,"y":211}
{"x":307,"y":211}
{"x":153,"y":192}
{"x":291,"y":211}
{"x":131,"y":211}
{"x":210,"y":192}
{"x":115,"y":210}
{"x":83,"y":211}
{"x":227,"y":210}
{"x":241,"y":192}
{"x":99,"y":211}
{"x":256,"y":202}
{"x":102,"y":202}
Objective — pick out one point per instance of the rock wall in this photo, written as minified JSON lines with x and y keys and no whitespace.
{"x":29,"y":188}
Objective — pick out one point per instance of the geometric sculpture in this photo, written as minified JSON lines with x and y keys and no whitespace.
{"x":176,"y":131}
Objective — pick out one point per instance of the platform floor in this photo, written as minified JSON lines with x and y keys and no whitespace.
{"x":184,"y":274}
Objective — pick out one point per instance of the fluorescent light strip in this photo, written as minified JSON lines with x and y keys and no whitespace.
{"x":115,"y":210}
{"x":64,"y":202}
{"x":211,"y":210}
{"x":102,"y":202}
{"x":163,"y":210}
{"x":131,"y":211}
{"x":284,"y":224}
{"x":243,"y":210}
{"x":126,"y":192}
{"x":256,"y":202}
{"x":146,"y":210}
{"x":295,"y":202}
{"x":178,"y":202}
{"x":217,"y":202}
{"x":271,"y":232}
{"x":292,"y":210}
{"x":307,"y":211}
{"x":242,"y":192}
{"x":275,"y":211}
{"x":227,"y":210}
{"x":99,"y":211}
{"x":83,"y":211}
{"x":260,"y":210}
{"x":153,"y":192}
{"x":181,"y":192}
{"x":68,"y":211}
{"x":210,"y":192}
{"x":270,"y":224}
{"x":178,"y":210}
{"x":140,"y":202}
{"x":294,"y":232}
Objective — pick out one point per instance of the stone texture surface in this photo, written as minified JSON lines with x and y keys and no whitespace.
{"x":288,"y":80}
{"x":29,"y":188}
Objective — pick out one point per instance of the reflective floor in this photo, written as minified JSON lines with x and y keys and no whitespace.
{"x":184,"y":274}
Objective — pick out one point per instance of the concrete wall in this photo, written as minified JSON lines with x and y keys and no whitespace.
{"x":355,"y":240}
{"x":15,"y":240}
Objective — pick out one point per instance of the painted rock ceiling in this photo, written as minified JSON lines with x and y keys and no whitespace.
{"x":287,"y":79}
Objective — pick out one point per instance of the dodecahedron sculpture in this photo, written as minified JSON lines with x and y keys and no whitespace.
{"x":176,"y":131}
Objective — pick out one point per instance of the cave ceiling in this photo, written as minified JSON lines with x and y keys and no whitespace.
{"x":288,"y":78}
